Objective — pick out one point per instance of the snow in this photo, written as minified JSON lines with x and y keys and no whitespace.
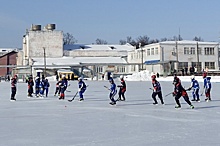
{"x":93,"y":122}
{"x":146,"y":76}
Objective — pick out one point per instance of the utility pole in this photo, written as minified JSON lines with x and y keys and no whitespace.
{"x":142,"y":57}
{"x":177,"y":60}
{"x":44,"y":62}
{"x":197,"y":65}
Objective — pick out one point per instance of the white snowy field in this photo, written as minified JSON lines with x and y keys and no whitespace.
{"x":135,"y":122}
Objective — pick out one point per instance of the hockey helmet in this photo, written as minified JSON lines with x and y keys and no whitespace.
{"x":111,"y":80}
{"x":176,"y":81}
{"x":80,"y":79}
{"x":121,"y":76}
{"x":15,"y":76}
{"x":192,"y":77}
{"x":153,"y":77}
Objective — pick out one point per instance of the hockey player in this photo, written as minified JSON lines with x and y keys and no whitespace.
{"x":195,"y":86}
{"x":81,"y":89}
{"x":207,"y":86}
{"x":178,"y":92}
{"x":113,"y":91}
{"x":57,"y":90}
{"x":41,"y":88}
{"x":122,"y":89}
{"x":156,"y":90}
{"x":63,"y":86}
{"x":46,"y":86}
{"x":13,"y":87}
{"x":30,"y":86}
{"x":37,"y":86}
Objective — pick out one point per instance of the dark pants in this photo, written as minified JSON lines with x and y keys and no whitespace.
{"x":57,"y":90}
{"x":154,"y":94}
{"x":30,"y":90}
{"x":207,"y":93}
{"x":186,"y":98}
{"x":13,"y":92}
{"x":195,"y":94}
{"x":111,"y":96}
{"x":121,"y":93}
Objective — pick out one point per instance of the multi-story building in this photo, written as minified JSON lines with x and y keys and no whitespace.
{"x":38,"y":42}
{"x":165,"y":57}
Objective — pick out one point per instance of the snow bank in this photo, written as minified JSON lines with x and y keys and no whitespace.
{"x":146,"y":76}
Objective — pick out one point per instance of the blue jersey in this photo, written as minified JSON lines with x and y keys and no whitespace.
{"x":156,"y":86}
{"x":37,"y":82}
{"x":46,"y":84}
{"x":82,"y":85}
{"x":194,"y":84}
{"x":207,"y":83}
{"x":113,"y":89}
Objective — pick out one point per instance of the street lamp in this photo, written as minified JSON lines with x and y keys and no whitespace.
{"x":44,"y":62}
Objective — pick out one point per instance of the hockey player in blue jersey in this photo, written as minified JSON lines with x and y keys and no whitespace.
{"x":113,"y":91}
{"x":195,"y":86}
{"x":81,"y":89}
{"x":156,"y":90}
{"x":46,"y":86}
{"x":207,"y":86}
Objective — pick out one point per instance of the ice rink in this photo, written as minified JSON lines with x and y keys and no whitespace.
{"x":93,"y":122}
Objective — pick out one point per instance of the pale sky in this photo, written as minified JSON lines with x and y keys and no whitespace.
{"x":111,"y":20}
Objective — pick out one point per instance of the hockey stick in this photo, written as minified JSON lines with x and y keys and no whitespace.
{"x":73,"y":97}
{"x":202,"y":93}
{"x":168,"y":94}
{"x":106,"y":87}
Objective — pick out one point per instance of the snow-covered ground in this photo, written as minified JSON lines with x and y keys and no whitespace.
{"x":135,"y":122}
{"x":146,"y":76}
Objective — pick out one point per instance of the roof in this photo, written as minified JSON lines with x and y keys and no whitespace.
{"x":188,"y":42}
{"x":8,"y":53}
{"x":78,"y":61}
{"x":126,"y":47}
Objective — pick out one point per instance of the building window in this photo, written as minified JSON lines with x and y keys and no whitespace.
{"x":200,"y":51}
{"x":182,"y":65}
{"x":210,"y":65}
{"x":99,"y":69}
{"x":148,"y":52}
{"x":186,"y":50}
{"x":131,"y":55}
{"x":132,"y":67}
{"x":152,"y":51}
{"x":156,"y":50}
{"x":194,"y":64}
{"x":209,"y":50}
{"x":121,"y":69}
{"x":192,"y":50}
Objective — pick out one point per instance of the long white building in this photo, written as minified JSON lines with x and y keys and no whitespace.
{"x":166,"y":56}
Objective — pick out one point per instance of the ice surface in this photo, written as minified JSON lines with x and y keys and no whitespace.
{"x":93,"y":122}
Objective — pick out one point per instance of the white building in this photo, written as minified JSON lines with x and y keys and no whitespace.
{"x":38,"y":42}
{"x":166,"y":56}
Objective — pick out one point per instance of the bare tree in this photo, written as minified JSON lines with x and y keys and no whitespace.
{"x":122,"y":42}
{"x":68,"y":39}
{"x":101,"y":42}
{"x":199,"y":39}
{"x":144,"y":40}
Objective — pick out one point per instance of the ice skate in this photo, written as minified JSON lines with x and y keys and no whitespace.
{"x":191,"y":106}
{"x":177,"y":107}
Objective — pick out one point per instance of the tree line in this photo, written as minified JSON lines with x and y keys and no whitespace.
{"x":138,"y":42}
